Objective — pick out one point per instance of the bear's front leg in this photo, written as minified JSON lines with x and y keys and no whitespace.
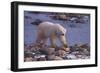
{"x":63,"y":41}
{"x":52,"y":41}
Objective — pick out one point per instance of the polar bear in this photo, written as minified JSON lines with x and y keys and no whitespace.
{"x":52,"y":31}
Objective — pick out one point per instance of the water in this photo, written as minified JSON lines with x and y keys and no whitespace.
{"x":76,"y":32}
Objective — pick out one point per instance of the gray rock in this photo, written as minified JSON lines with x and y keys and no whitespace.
{"x":71,"y":56}
{"x":86,"y":52}
{"x":50,"y":57}
{"x":79,"y":56}
{"x":83,"y":57}
{"x":34,"y":59}
{"x":48,"y":51}
{"x":58,"y":58}
{"x":75,"y":52}
{"x":34,"y":49}
{"x":42,"y":59}
{"x":28,"y":54}
{"x":53,"y":57}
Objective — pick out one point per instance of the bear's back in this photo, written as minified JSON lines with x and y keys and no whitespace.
{"x":47,"y":28}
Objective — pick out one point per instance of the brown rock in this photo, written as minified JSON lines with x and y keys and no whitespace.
{"x":65,"y":49}
{"x":62,"y":16}
{"x":28,"y":59}
{"x":58,"y":58}
{"x":60,"y":53}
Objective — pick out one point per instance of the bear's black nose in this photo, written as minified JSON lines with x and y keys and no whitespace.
{"x":62,"y":34}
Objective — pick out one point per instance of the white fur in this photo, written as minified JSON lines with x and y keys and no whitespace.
{"x":48,"y":28}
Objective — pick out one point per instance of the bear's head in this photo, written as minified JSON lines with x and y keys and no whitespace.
{"x":60,"y":32}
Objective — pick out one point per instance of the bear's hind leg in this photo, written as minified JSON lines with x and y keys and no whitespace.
{"x":40,"y":38}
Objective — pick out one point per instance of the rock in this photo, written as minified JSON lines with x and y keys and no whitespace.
{"x":48,"y":51}
{"x":72,"y":48}
{"x":83,"y":57}
{"x":35,"y":49}
{"x":75,"y":52}
{"x":53,"y":57}
{"x":38,"y":56}
{"x":79,"y":56}
{"x":84,"y":45}
{"x":34,"y":59}
{"x":86,"y":52}
{"x":28,"y":59}
{"x":38,"y":52}
{"x":50,"y":57}
{"x":62,"y":17}
{"x":42,"y":59}
{"x":65,"y":49}
{"x":60,"y":53}
{"x":28,"y":54}
{"x":58,"y":58}
{"x":71,"y":56}
{"x":87,"y":57}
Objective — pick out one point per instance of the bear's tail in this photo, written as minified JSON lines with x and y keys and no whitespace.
{"x":36,"y":22}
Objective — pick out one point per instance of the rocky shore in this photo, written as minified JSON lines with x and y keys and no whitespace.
{"x":38,"y":52}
